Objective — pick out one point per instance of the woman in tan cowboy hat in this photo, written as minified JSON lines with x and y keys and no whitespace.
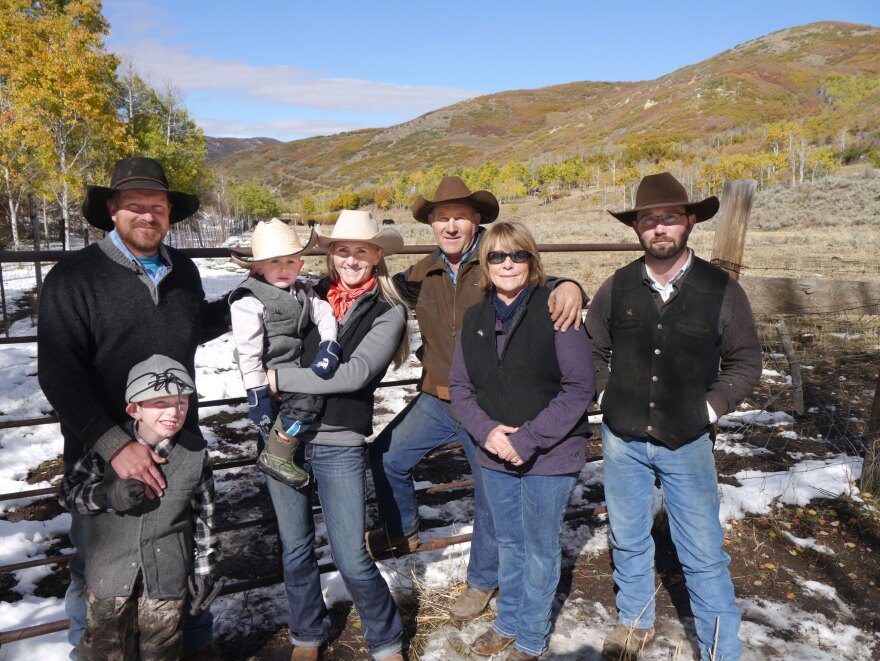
{"x":372,"y":334}
{"x":270,"y":311}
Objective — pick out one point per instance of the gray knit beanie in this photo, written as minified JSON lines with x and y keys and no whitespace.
{"x":157,"y":376}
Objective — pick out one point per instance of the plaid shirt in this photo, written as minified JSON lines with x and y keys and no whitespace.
{"x":78,"y":488}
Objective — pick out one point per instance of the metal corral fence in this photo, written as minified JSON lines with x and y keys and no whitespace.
{"x":21,"y":281}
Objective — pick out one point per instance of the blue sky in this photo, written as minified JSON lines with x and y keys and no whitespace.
{"x":296,"y":69}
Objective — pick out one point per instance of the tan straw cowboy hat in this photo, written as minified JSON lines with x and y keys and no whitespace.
{"x":137,"y":172}
{"x":664,"y":190}
{"x":361,"y":226}
{"x":273,"y":238}
{"x":451,"y":190}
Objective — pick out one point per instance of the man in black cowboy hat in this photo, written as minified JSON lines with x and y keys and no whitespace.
{"x":441,"y":287}
{"x":659,"y":327}
{"x":109,"y":306}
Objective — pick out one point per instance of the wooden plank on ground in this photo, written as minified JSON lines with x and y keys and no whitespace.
{"x":811,"y":296}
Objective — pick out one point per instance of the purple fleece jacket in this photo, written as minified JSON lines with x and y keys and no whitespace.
{"x":545,"y":438}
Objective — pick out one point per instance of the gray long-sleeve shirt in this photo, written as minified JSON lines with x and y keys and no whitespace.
{"x":371,"y":356}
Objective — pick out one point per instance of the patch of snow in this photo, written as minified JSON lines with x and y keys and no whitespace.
{"x":808,"y":543}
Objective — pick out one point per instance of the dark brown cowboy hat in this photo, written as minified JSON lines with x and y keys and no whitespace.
{"x":136,"y":172}
{"x":453,"y":189}
{"x":664,"y":190}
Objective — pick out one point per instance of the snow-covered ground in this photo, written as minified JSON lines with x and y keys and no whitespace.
{"x":770,"y":629}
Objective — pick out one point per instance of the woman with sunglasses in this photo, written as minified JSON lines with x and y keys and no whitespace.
{"x":522,"y":389}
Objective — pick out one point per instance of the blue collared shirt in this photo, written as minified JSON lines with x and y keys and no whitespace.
{"x":454,"y":274}
{"x":154,"y":269}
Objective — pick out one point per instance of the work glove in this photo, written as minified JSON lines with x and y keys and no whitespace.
{"x":118,"y":495}
{"x":327,"y":359}
{"x":261,"y":407}
{"x":203,"y":593}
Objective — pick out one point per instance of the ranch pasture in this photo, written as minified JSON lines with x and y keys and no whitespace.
{"x":804,"y":541}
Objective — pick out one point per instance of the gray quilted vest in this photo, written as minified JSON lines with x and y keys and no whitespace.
{"x":285,"y":318}
{"x":157,"y":540}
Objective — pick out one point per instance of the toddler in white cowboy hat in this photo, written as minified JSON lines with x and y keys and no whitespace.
{"x":270,"y":312}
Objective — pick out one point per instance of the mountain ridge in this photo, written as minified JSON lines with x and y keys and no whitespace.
{"x":781,"y":76}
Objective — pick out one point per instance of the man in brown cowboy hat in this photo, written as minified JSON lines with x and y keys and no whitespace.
{"x":667,"y":318}
{"x":107,"y":307}
{"x":441,"y":287}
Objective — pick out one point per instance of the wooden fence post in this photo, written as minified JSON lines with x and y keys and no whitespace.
{"x":730,"y":235}
{"x":870,"y":481}
{"x":794,"y":367}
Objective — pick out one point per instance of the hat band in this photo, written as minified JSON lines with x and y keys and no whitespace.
{"x":128,"y":180}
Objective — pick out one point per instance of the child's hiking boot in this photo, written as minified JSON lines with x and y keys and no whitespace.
{"x":276,"y":459}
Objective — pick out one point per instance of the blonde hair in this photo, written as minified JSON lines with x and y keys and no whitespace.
{"x":387,"y":293}
{"x":509,"y":236}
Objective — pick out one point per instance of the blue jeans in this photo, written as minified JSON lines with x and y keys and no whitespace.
{"x":425,"y":424}
{"x":528,"y":511}
{"x":198,"y":631}
{"x":690,"y":492}
{"x":340,"y":476}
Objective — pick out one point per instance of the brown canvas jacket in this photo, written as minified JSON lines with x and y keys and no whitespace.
{"x":439,"y":309}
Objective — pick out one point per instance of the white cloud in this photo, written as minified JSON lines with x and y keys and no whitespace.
{"x":283,"y":84}
{"x":281,"y":129}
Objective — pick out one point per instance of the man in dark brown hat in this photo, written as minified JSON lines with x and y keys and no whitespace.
{"x":441,"y":287}
{"x":667,"y":319}
{"x":107,"y":307}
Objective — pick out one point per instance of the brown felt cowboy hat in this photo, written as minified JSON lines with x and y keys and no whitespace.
{"x":136,"y":172}
{"x":453,"y":189}
{"x":664,"y":190}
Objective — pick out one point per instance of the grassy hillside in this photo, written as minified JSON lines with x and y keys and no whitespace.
{"x":825,"y":76}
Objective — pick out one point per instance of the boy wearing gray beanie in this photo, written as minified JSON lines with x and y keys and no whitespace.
{"x":142,"y":554}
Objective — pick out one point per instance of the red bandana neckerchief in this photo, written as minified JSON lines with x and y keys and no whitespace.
{"x":341,"y":297}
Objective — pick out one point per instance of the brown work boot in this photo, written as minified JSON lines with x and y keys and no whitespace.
{"x":305,"y":654}
{"x":380,"y":544}
{"x":626,"y":643}
{"x":490,"y":642}
{"x":470,"y":604}
{"x":397,"y":656}
{"x":519,"y":655}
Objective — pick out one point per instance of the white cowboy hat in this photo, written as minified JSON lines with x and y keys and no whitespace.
{"x":273,"y":238}
{"x":361,"y":226}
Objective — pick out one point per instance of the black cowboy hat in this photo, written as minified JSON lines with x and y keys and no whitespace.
{"x":453,"y":189}
{"x":136,"y":172}
{"x":664,"y":190}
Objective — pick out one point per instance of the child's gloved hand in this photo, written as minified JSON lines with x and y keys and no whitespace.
{"x":261,"y":407}
{"x":203,"y":593}
{"x":327,"y":359}
{"x":118,"y":495}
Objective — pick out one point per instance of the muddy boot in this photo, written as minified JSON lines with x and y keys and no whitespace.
{"x":381,"y":544}
{"x":626,"y":643}
{"x":276,"y":459}
{"x":470,"y":604}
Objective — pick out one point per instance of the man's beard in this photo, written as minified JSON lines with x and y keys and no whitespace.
{"x":146,"y":243}
{"x":669,"y":250}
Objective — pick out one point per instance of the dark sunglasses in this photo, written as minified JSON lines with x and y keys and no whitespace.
{"x":517,"y":256}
